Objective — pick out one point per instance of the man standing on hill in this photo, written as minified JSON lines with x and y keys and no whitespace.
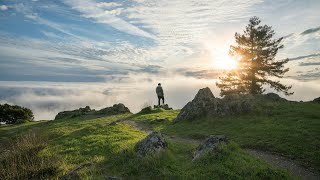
{"x":160,"y":94}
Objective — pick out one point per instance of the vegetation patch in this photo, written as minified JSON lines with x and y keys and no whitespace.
{"x":27,"y":158}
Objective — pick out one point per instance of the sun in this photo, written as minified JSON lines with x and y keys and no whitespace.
{"x":225,"y":62}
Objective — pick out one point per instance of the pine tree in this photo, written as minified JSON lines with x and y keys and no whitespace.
{"x":255,"y":50}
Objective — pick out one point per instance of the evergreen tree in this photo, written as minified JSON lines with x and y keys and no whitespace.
{"x":255,"y":50}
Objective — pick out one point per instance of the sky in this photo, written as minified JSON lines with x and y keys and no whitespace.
{"x":65,"y":54}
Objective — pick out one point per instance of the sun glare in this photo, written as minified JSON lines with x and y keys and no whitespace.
{"x":225,"y":62}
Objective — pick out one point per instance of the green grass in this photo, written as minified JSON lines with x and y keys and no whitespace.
{"x":109,"y":145}
{"x":291,"y":129}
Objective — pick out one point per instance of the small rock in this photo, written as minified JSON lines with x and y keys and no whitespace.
{"x":209,"y":145}
{"x":153,"y":143}
{"x":165,"y":106}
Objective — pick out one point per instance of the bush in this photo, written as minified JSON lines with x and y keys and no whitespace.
{"x":13,"y":114}
{"x":25,"y":159}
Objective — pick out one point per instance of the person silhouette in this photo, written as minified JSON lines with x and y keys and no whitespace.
{"x":160,"y":94}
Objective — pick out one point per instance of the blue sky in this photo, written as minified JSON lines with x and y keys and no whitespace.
{"x":70,"y":53}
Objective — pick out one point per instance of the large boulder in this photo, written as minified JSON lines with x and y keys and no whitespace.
{"x":153,"y":143}
{"x":205,"y":104}
{"x":201,"y":105}
{"x":209,"y":145}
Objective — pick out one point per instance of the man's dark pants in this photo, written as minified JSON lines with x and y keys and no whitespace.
{"x":159,"y":98}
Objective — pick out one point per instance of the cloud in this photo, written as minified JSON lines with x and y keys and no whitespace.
{"x":3,"y":7}
{"x":200,"y":74}
{"x":51,"y":34}
{"x":46,"y":99}
{"x":107,"y":4}
{"x":308,"y":76}
{"x":68,"y":60}
{"x":94,"y":10}
{"x":310,"y":64}
{"x":312,"y":30}
{"x":305,"y":56}
{"x":287,"y":36}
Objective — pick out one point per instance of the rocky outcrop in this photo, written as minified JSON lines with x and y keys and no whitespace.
{"x":316,"y":100}
{"x":113,"y":110}
{"x":209,"y":145}
{"x":233,"y":104}
{"x":153,"y":143}
{"x":274,"y":97}
{"x":202,"y":104}
{"x":165,"y":107}
{"x":74,"y":113}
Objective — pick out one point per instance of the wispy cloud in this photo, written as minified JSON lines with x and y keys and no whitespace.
{"x":96,"y":11}
{"x":3,"y":7}
{"x":312,"y":30}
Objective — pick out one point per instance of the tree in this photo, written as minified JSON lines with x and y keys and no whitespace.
{"x":255,"y":51}
{"x":15,"y":114}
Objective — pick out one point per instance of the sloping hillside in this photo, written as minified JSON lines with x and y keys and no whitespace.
{"x":101,"y":148}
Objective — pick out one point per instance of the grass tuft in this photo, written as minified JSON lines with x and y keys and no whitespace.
{"x":23,"y":158}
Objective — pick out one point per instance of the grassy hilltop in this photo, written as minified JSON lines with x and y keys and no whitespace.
{"x":104,"y":147}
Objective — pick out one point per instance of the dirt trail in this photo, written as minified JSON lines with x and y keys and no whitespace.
{"x":285,"y":163}
{"x":273,"y":159}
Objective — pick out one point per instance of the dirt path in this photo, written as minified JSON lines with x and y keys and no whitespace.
{"x":285,"y":163}
{"x":273,"y":159}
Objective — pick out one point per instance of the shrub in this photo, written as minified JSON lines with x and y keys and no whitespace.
{"x":13,"y":114}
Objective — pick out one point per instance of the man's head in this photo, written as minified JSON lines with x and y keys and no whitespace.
{"x":159,"y":84}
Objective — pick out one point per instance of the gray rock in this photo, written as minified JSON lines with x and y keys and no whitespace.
{"x":153,"y":143}
{"x":205,"y":104}
{"x":209,"y":145}
{"x":202,"y":104}
{"x":316,"y":100}
{"x":233,"y":104}
{"x":113,"y":110}
{"x":165,"y":106}
{"x":74,"y":113}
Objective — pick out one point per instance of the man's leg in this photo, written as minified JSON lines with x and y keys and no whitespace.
{"x":162,"y":99}
{"x":159,"y":100}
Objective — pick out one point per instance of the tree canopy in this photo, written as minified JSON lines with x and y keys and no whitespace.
{"x":255,"y":51}
{"x":12,"y":114}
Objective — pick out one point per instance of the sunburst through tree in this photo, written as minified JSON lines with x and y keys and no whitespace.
{"x":255,"y":50}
